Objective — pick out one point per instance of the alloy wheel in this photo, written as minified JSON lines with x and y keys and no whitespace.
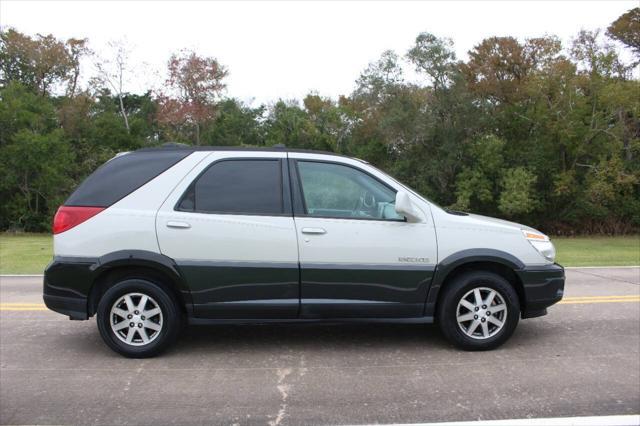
{"x":136,"y":319}
{"x":481,"y":313}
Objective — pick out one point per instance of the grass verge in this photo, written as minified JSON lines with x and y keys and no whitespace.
{"x":598,"y":251}
{"x":25,"y":253}
{"x":30,"y":253}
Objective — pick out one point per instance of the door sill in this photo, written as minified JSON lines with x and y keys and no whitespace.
{"x":229,"y":321}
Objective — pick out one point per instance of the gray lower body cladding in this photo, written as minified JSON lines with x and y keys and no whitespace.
{"x":252,"y":292}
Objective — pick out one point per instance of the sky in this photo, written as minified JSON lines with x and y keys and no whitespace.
{"x":284,"y":50}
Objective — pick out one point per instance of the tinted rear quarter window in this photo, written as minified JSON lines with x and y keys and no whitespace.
{"x":122,"y":175}
{"x":237,"y":187}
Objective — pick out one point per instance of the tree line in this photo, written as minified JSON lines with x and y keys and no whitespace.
{"x":528,"y":130}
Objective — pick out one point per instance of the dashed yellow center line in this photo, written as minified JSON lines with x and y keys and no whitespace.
{"x":599,"y":299}
{"x":23,"y":307}
{"x":575,"y":300}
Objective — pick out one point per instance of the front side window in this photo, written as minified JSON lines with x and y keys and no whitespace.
{"x":237,"y":187}
{"x":334,"y":190}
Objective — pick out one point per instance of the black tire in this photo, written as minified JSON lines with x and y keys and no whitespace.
{"x":460,"y":286}
{"x":171,"y":318}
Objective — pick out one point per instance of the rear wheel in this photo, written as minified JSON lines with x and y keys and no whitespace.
{"x":138,"y":318}
{"x":478,"y":311}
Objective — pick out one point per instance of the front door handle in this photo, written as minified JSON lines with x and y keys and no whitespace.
{"x":314,"y":231}
{"x":176,"y":224}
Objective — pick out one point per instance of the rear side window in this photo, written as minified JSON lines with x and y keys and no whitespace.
{"x":122,"y":175}
{"x":237,"y":187}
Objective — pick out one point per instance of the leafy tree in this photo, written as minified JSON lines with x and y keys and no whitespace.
{"x":518,"y":195}
{"x":626,"y":29}
{"x":435,"y":57}
{"x":34,"y":159}
{"x":40,"y":63}
{"x":37,"y":164}
{"x":196,"y":84}
{"x":287,"y":123}
{"x":595,"y":57}
{"x":235,"y":124}
{"x":477,"y":183}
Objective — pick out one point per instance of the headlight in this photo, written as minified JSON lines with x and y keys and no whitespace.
{"x":541,"y":243}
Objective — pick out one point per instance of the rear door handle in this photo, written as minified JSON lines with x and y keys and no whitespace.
{"x":313,"y":231}
{"x":176,"y":224}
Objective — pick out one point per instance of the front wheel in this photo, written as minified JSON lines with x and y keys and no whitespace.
{"x":478,"y":311}
{"x":138,"y":318}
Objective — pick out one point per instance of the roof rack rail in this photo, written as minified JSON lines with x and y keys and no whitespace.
{"x":194,"y":148}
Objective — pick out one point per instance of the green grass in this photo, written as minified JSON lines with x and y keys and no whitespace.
{"x":25,"y":253}
{"x":598,"y":251}
{"x":30,"y":253}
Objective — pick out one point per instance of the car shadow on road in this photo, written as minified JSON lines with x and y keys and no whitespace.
{"x":345,"y":339}
{"x":309,"y":336}
{"x":341,"y":337}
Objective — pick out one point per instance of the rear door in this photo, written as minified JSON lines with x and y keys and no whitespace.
{"x":358,"y":258}
{"x":229,"y":227}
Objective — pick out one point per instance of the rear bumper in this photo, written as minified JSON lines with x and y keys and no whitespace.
{"x":66,"y":286}
{"x":74,"y":308}
{"x":543,"y":287}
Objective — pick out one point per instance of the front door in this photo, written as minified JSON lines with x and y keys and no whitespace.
{"x":358,"y":258}
{"x":229,"y":228}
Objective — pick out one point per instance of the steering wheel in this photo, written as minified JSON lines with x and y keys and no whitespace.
{"x":364,"y":205}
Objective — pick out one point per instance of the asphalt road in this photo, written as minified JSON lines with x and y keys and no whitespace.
{"x":582,"y":359}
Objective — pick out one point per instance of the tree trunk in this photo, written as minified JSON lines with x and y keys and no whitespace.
{"x":74,"y":83}
{"x":124,"y":114}
{"x":626,"y":146}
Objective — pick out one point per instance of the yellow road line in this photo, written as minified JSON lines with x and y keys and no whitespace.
{"x":628,"y":296}
{"x":581,"y":300}
{"x":22,"y":307}
{"x":2,"y":308}
{"x":21,"y":304}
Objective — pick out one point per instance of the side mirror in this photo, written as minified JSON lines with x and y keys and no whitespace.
{"x":406,"y":208}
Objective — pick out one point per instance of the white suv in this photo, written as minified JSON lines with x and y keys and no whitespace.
{"x":160,"y":236}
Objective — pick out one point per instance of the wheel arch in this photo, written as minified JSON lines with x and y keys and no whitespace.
{"x":124,"y":264}
{"x":501,"y":263}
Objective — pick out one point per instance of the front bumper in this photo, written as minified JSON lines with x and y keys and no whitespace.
{"x":543,"y":286}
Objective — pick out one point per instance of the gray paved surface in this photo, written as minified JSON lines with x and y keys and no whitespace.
{"x":582,"y":359}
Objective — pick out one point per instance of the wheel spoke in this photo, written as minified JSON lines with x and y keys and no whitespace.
{"x":121,"y":325}
{"x":152,"y":325}
{"x":465,"y":317}
{"x":467,"y":304}
{"x":151,"y":312}
{"x":495,"y":321}
{"x":499,"y":308}
{"x":120,"y":312}
{"x":489,"y":300}
{"x":485,"y":329}
{"x":130,"y":306}
{"x":130,"y":335}
{"x":473,"y":327}
{"x":143,"y":302}
{"x":477,"y":297}
{"x":143,"y":335}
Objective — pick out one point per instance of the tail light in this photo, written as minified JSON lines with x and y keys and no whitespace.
{"x":67,"y":217}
